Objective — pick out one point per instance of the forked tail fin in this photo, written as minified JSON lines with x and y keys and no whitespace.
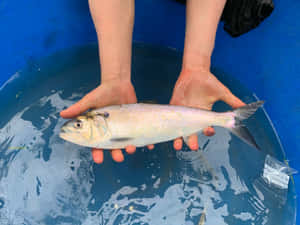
{"x":241,"y":114}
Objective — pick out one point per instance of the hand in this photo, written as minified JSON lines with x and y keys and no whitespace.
{"x":200,"y":88}
{"x":108,"y":93}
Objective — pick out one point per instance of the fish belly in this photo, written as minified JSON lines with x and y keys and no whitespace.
{"x":144,"y":124}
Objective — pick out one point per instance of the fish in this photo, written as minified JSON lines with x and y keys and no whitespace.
{"x":140,"y":124}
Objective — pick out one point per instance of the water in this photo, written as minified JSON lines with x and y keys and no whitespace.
{"x":45,"y":180}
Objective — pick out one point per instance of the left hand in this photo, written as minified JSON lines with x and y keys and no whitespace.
{"x":200,"y":88}
{"x":112,"y":92}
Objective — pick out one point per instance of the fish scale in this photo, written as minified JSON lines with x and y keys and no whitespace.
{"x":141,"y":124}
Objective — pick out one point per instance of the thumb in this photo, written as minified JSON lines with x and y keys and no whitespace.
{"x":81,"y":106}
{"x":232,"y":100}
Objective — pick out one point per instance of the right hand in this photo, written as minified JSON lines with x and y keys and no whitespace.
{"x":200,"y":89}
{"x":112,"y":92}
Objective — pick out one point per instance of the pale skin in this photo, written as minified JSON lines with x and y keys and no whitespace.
{"x":196,"y":85}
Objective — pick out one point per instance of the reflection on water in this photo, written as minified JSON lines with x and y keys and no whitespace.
{"x":45,"y":180}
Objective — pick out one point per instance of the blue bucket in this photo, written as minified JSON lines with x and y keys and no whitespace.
{"x":265,"y":60}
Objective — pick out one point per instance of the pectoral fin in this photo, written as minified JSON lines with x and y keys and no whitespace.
{"x":186,"y":140}
{"x":120,"y":139}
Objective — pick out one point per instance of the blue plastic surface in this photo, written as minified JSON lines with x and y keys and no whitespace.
{"x":266,"y":60}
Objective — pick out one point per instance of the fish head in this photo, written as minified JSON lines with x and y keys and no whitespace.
{"x":86,"y":130}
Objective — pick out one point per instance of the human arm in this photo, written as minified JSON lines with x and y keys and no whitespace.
{"x":113,"y":21}
{"x":196,"y":85}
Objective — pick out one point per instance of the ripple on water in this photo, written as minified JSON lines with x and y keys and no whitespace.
{"x":46,"y":180}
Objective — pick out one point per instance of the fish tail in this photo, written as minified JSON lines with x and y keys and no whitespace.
{"x":236,"y":126}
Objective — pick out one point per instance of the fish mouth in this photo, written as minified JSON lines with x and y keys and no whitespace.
{"x":66,"y":137}
{"x":63,"y":129}
{"x":63,"y":133}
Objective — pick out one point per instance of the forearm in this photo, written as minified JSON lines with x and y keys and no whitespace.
{"x":114,"y":20}
{"x":201,"y":24}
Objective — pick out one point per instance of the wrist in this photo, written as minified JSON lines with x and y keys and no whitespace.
{"x":193,"y":61}
{"x":117,"y":84}
{"x":120,"y":77}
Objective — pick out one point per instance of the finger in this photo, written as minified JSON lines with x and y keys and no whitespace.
{"x":177,"y":144}
{"x":150,"y":147}
{"x":117,"y":155}
{"x":130,"y":149}
{"x":193,"y":142}
{"x":97,"y":155}
{"x":81,"y":106}
{"x":209,"y":131}
{"x":233,"y":101}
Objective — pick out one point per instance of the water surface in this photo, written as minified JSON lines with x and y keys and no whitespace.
{"x":45,"y":180}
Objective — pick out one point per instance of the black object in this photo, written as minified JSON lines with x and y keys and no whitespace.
{"x":241,"y":16}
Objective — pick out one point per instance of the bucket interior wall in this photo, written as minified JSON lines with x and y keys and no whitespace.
{"x":266,"y":60}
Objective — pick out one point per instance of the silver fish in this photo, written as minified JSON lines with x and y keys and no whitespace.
{"x":141,"y":124}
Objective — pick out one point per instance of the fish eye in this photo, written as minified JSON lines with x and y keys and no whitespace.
{"x":78,"y":124}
